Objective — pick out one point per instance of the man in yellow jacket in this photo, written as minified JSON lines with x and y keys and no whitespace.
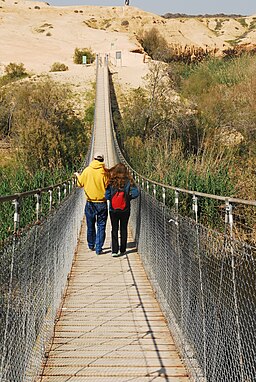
{"x":94,"y":181}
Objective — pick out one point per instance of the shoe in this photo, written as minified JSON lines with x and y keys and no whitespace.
{"x":99,"y":253}
{"x":92,"y":248}
{"x":122,"y":253}
{"x":114,"y":254}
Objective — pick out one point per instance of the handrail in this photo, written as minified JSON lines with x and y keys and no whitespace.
{"x":24,"y":194}
{"x":16,"y":199}
{"x":197,"y":193}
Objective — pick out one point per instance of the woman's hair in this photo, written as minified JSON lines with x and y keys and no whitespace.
{"x":119,"y":176}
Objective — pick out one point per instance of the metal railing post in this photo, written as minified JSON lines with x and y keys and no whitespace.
{"x":229,"y":213}
{"x":154,"y":190}
{"x":59,"y":194}
{"x":163,"y":194}
{"x":16,"y":217}
{"x":50,"y":200}
{"x":226,"y":212}
{"x":38,"y":199}
{"x":195,"y":210}
{"x":176,"y":202}
{"x":195,"y":207}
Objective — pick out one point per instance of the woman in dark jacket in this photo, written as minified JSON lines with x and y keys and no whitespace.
{"x":120,"y":191}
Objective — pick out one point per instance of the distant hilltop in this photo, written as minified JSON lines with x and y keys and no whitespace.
{"x":206,"y":16}
{"x":38,"y":35}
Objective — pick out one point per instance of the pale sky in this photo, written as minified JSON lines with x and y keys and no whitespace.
{"x":160,"y":7}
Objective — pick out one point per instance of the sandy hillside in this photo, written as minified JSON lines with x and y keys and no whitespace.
{"x":38,"y":35}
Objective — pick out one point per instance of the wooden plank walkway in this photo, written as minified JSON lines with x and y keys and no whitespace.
{"x":111,"y":327}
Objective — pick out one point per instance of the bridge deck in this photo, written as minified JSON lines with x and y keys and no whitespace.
{"x":111,"y":327}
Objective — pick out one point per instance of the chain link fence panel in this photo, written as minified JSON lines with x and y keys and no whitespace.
{"x":33,"y":271}
{"x":205,"y":282}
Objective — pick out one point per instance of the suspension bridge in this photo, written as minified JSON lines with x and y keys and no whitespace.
{"x":179,"y":306}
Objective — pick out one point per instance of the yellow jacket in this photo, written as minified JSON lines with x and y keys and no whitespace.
{"x":94,"y":181}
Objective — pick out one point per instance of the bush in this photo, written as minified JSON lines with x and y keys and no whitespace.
{"x":14,"y":70}
{"x":125,"y":23}
{"x":46,"y":131}
{"x":58,"y":67}
{"x":48,"y":141}
{"x":156,"y":46}
{"x":79,"y":53}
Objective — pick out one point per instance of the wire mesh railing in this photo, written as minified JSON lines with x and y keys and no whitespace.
{"x":205,"y":282}
{"x":34,"y":265}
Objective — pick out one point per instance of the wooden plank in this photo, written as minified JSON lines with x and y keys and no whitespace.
{"x":109,"y":379}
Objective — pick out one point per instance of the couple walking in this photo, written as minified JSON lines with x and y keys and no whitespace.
{"x":101,"y":184}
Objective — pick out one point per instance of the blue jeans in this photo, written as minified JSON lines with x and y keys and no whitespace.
{"x":96,"y":213}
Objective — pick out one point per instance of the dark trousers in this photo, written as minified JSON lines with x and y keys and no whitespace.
{"x":119,"y":219}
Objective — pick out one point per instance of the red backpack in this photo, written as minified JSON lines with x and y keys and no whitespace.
{"x":119,"y":200}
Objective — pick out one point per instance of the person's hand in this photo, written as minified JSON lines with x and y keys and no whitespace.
{"x":76,"y":174}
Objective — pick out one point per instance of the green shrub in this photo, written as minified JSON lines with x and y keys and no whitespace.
{"x":79,"y":53}
{"x":14,"y":70}
{"x":155,"y":45}
{"x":46,"y":131}
{"x":58,"y":67}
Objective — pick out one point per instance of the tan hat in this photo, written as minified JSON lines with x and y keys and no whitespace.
{"x":99,"y":156}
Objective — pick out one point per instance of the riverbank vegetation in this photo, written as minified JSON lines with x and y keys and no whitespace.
{"x":45,"y":131}
{"x":194,"y":126}
{"x":44,"y":134}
